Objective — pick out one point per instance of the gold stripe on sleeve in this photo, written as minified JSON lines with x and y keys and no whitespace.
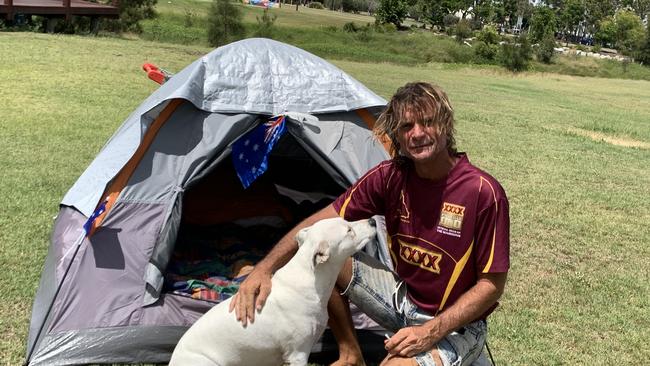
{"x":349,"y":197}
{"x":458,"y":269}
{"x":488,"y":265}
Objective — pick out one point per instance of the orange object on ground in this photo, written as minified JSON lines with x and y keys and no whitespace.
{"x":155,"y":73}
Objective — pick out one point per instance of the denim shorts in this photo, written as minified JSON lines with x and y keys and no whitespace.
{"x":378,"y":292}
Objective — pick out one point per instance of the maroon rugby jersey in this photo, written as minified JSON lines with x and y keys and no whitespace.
{"x":441,"y":233}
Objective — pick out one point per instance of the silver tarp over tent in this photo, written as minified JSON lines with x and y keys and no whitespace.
{"x":111,"y":307}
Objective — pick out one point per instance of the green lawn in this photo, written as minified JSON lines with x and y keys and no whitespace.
{"x":287,"y":15}
{"x":573,"y":154}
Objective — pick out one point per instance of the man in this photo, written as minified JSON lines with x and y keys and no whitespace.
{"x":448,"y":232}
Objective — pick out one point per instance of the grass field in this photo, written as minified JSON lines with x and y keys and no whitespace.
{"x":573,"y":154}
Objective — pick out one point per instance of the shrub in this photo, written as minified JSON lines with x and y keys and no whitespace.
{"x":385,"y":28}
{"x":515,"y":56}
{"x":190,"y":18}
{"x":224,"y":23}
{"x":365,"y":35}
{"x":545,"y":50}
{"x":488,"y":35}
{"x":486,"y":51}
{"x":350,"y":27}
{"x":460,"y":54}
{"x":463,"y":30}
{"x":476,"y":24}
{"x":449,"y":21}
{"x":265,"y":25}
{"x":316,"y":5}
{"x":643,"y":55}
{"x":131,"y":13}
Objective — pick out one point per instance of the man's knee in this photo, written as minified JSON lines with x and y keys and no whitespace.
{"x":410,"y":361}
{"x":398,"y":361}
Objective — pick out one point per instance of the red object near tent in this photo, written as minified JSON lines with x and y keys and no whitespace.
{"x":155,"y":73}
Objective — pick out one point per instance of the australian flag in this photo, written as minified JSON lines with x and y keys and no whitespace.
{"x":98,"y":211}
{"x":250,"y":152}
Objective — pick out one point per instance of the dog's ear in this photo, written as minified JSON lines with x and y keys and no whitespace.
{"x":301,"y":236}
{"x":321,"y":252}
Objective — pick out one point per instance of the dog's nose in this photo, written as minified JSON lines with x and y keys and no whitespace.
{"x":372,"y":222}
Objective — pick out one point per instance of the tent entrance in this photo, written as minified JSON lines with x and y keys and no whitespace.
{"x":226,"y":229}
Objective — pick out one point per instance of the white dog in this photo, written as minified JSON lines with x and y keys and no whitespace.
{"x":295,"y":313}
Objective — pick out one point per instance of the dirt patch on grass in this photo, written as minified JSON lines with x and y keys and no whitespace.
{"x":618,"y":141}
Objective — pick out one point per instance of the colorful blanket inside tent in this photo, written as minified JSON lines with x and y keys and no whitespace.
{"x":209,"y":263}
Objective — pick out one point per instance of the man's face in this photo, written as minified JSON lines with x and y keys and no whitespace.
{"x":418,"y":142}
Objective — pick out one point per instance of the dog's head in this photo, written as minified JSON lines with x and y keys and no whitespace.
{"x":336,"y":238}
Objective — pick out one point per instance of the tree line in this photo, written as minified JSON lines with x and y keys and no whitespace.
{"x":620,"y":24}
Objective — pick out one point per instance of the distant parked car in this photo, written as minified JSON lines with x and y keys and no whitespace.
{"x":587,"y":41}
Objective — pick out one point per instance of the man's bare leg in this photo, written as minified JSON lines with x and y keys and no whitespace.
{"x":340,"y":322}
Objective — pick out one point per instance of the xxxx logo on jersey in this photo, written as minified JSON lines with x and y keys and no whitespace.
{"x":420,"y":257}
{"x":451,"y":216}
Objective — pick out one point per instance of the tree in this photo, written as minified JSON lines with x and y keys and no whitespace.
{"x":546,"y":49}
{"x":624,"y":30}
{"x":505,"y":12}
{"x":131,"y":13}
{"x":434,"y":12}
{"x":644,"y":53}
{"x":542,"y":23}
{"x":485,"y":11}
{"x":460,"y":6}
{"x":571,"y":16}
{"x":391,"y":11}
{"x":463,"y":30}
{"x":606,"y":33}
{"x":352,"y":6}
{"x":630,"y":32}
{"x":224,"y":23}
{"x":640,"y":7}
{"x":597,"y":11}
{"x":265,"y":25}
{"x":515,"y":56}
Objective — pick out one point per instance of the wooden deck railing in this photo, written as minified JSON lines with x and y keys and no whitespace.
{"x":66,"y":9}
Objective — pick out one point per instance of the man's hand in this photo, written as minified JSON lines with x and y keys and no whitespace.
{"x":256,"y":288}
{"x":251,"y":296}
{"x":410,"y":341}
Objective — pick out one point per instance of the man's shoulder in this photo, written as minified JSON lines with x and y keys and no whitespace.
{"x":482,"y":180}
{"x":388,"y":168}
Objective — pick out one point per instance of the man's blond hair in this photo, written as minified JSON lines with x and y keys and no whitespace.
{"x":424,"y":103}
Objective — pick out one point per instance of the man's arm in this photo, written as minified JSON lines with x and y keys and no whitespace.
{"x":256,"y":288}
{"x":410,"y":341}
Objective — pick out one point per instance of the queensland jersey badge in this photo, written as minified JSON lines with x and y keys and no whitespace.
{"x":451,"y":219}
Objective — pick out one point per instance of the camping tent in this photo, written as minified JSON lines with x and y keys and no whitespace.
{"x":165,"y":178}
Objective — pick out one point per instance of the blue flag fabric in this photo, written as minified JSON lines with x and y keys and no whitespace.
{"x":251,"y":151}
{"x":89,"y":223}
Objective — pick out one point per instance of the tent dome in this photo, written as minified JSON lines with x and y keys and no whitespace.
{"x":263,"y":76}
